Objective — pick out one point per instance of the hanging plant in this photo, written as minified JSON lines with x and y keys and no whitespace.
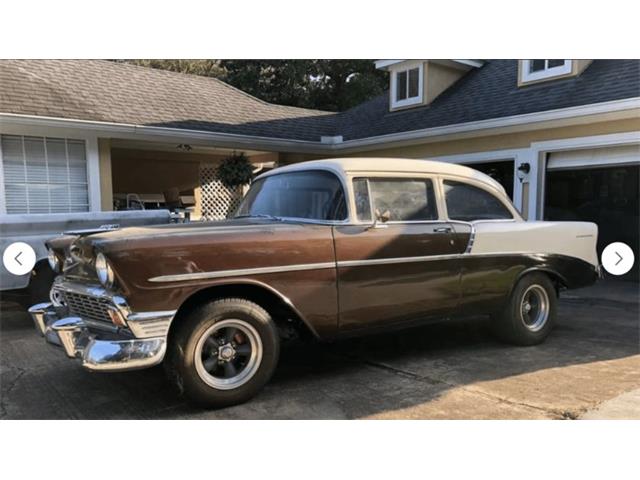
{"x":235,"y":170}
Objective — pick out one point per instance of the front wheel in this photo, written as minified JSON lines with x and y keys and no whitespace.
{"x":530,"y":314}
{"x":223,"y":353}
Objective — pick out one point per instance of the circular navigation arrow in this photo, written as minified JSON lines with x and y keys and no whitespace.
{"x":617,"y":258}
{"x":19,"y":258}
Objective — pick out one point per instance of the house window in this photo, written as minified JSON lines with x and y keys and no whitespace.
{"x":532,"y":70}
{"x":406,"y":86}
{"x":44,"y":175}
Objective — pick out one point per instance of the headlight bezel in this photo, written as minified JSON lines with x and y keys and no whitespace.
{"x":104,"y":270}
{"x":54,"y":260}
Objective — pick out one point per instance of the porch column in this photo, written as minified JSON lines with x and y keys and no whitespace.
{"x":106,"y":183}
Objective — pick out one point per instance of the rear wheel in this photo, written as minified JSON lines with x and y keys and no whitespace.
{"x":223,"y":353}
{"x":530,"y":314}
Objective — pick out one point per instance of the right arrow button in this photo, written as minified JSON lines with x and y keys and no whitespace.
{"x":617,"y":258}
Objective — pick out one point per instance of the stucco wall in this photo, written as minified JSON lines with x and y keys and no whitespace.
{"x":437,"y":79}
{"x":500,"y":142}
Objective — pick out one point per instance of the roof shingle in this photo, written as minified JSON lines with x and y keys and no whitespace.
{"x":107,"y":91}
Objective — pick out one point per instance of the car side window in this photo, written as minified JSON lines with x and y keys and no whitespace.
{"x":468,"y":203}
{"x":406,"y":199}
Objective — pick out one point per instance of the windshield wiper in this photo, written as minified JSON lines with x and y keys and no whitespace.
{"x":260,"y":215}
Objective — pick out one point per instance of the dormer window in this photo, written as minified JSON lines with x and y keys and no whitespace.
{"x":414,"y":83}
{"x":406,"y":85}
{"x":532,"y":70}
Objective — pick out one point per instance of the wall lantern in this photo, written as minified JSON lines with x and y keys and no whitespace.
{"x":523,"y":170}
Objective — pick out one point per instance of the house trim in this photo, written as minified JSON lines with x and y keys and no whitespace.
{"x":540,"y":149}
{"x":477,"y":128}
{"x":480,"y":127}
{"x":535,"y":155}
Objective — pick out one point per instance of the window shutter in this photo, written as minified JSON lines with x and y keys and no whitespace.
{"x":44,"y":175}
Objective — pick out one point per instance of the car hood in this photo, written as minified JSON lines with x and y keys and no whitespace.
{"x":175,"y":231}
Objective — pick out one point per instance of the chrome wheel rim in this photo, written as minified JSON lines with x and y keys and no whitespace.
{"x":534,"y":308}
{"x":228,"y":354}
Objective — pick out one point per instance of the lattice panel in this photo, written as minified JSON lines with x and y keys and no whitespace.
{"x":218,"y":201}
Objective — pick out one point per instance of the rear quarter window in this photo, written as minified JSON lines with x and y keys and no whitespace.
{"x":468,"y":203}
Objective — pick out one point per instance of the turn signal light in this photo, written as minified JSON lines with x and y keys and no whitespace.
{"x":116,"y":317}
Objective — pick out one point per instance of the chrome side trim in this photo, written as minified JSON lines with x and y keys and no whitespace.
{"x":386,"y":261}
{"x":472,"y":239}
{"x":241,"y":272}
{"x":325,"y":265}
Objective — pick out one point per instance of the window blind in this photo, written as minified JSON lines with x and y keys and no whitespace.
{"x":44,"y":175}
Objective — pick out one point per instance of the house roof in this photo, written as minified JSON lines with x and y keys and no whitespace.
{"x":116,"y":92}
{"x":104,"y":91}
{"x":492,"y":92}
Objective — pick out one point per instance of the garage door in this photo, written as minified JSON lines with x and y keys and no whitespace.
{"x":600,"y":186}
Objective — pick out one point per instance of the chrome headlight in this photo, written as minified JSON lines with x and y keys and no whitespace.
{"x":54,"y":261}
{"x":104,"y":271}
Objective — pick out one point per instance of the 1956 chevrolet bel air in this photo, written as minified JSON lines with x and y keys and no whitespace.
{"x":326,"y":249}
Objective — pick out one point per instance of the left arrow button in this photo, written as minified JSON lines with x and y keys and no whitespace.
{"x":19,"y":258}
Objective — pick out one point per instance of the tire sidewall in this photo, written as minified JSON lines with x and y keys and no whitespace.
{"x":183,"y":346}
{"x":522,"y":333}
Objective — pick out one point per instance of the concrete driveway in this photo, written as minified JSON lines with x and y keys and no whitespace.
{"x":589,"y":367}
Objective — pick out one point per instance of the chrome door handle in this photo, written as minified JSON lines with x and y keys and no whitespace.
{"x":442,"y":230}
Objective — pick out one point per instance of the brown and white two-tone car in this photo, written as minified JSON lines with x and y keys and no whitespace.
{"x":328,"y":248}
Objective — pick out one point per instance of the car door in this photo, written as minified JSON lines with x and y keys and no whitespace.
{"x":486,"y":275}
{"x":404,"y":269}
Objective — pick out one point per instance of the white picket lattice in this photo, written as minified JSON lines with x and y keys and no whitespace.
{"x":218,"y":201}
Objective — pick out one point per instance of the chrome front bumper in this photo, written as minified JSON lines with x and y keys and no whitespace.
{"x":97,"y":351}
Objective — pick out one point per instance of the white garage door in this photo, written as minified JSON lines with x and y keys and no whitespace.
{"x":44,"y":175}
{"x":595,"y":157}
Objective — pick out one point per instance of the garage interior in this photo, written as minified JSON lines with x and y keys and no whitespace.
{"x":600,"y":186}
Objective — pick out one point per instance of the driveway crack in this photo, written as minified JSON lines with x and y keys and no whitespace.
{"x":4,"y":392}
{"x":557,"y":413}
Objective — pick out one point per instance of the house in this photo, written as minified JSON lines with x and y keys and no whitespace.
{"x":562,"y":136}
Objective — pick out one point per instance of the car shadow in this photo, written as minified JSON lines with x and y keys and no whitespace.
{"x":362,"y":377}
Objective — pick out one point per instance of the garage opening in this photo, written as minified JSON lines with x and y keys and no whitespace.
{"x":181,"y":180}
{"x":501,"y":171}
{"x":600,"y":186}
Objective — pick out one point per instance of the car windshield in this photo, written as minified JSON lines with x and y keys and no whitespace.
{"x":313,"y":195}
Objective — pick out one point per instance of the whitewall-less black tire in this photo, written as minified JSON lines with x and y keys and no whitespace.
{"x":530,"y":313}
{"x":223,"y":353}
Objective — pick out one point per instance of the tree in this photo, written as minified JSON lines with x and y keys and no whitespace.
{"x":333,"y":85}
{"x":207,"y":68}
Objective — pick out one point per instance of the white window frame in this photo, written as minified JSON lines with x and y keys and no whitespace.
{"x":527,"y":76}
{"x":405,"y":67}
{"x":92,"y":155}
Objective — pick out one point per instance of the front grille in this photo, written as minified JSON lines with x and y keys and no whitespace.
{"x":86,"y":306}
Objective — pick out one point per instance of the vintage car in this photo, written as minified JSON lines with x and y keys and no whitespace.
{"x":323,"y":249}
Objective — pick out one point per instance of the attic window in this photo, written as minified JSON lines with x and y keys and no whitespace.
{"x":406,"y":86}
{"x":532,"y":70}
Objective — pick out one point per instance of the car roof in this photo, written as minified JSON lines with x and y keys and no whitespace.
{"x":345,"y":166}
